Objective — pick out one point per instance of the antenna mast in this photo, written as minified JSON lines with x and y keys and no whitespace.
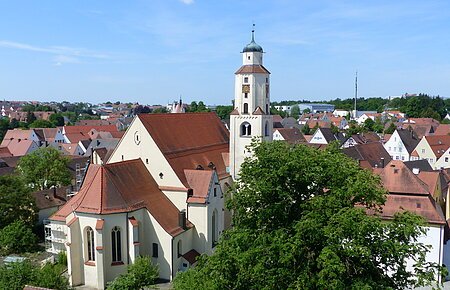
{"x":356,"y":91}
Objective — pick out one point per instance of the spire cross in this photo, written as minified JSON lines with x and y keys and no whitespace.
{"x":253,"y":32}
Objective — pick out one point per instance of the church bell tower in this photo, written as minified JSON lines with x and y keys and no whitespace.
{"x":251,"y":115}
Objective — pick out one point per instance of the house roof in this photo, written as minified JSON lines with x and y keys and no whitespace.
{"x":367,"y":137}
{"x":422,"y":165}
{"x":397,"y":178}
{"x":319,"y":123}
{"x":16,"y":134}
{"x":409,"y":139}
{"x":189,"y":140}
{"x":18,"y":147}
{"x":4,"y":152}
{"x":191,"y":256}
{"x":251,"y":69}
{"x":423,"y":205}
{"x":69,"y":148}
{"x":53,"y":197}
{"x":370,"y":152}
{"x":292,"y":135}
{"x":122,"y":187}
{"x":438,"y":143}
{"x":431,"y":179}
{"x":86,"y":129}
{"x":442,"y":129}
{"x":199,"y":181}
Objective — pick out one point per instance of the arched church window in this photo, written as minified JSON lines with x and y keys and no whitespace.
{"x":245,"y":108}
{"x":267,"y":109}
{"x":116,"y":244}
{"x":90,"y":245}
{"x":246,"y":129}
{"x":266,"y":129}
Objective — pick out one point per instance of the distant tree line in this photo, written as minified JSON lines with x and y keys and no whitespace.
{"x":415,"y":106}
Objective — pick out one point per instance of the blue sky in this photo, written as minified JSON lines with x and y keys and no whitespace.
{"x":153,"y":51}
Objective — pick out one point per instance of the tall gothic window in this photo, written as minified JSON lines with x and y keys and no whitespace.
{"x":245,"y":108}
{"x":179,"y":249}
{"x":116,"y":245}
{"x":90,"y":244}
{"x":246,"y":129}
{"x":266,"y":129}
{"x":214,"y":229}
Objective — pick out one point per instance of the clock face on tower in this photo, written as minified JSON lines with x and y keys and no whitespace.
{"x":246,"y":89}
{"x":137,"y":140}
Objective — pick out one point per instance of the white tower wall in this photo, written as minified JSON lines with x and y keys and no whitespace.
{"x":252,"y":107}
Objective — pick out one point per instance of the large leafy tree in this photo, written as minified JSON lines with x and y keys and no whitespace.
{"x":16,"y":202}
{"x":301,"y":222}
{"x":44,"y":168}
{"x":139,"y":275}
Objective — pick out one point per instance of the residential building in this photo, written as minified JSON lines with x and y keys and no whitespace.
{"x":431,"y":148}
{"x":401,"y":144}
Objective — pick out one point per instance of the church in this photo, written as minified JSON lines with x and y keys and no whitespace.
{"x":161,"y":192}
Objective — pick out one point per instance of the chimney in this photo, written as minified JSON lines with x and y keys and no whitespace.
{"x":415,"y":171}
{"x":382,"y":162}
{"x":182,"y":219}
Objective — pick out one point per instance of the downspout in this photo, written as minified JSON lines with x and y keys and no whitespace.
{"x":171,"y":259}
{"x":128,"y":241}
{"x":441,"y":254}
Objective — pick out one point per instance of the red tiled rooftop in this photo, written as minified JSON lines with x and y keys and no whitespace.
{"x":199,"y":181}
{"x":122,"y":187}
{"x":189,"y":140}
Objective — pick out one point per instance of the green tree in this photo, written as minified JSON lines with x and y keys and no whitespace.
{"x":4,"y":126}
{"x":57,"y":119}
{"x":14,"y":123}
{"x":140,"y":274}
{"x":17,"y":238}
{"x":224,"y":111}
{"x":369,"y":124}
{"x":16,"y":202}
{"x":300,"y":222}
{"x":295,"y":111}
{"x":44,"y":168}
{"x":306,"y":130}
{"x":50,"y":276}
{"x":42,"y":124}
{"x":390,"y":129}
{"x":162,"y":110}
{"x":30,"y":117}
{"x":16,"y":275}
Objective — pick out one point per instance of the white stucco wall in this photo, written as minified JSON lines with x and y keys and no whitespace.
{"x":396,"y":149}
{"x":148,"y":151}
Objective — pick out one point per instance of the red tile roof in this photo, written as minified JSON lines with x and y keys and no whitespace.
{"x":4,"y":152}
{"x":438,"y":143}
{"x":251,"y":69}
{"x":122,"y":187}
{"x":189,"y":140}
{"x":397,"y":178}
{"x":200,"y":182}
{"x":191,"y":256}
{"x":423,"y":205}
{"x":442,"y":129}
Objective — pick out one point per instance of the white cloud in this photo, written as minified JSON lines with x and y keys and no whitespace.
{"x":63,"y":54}
{"x":187,"y":2}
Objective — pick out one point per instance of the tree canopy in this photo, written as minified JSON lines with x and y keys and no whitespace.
{"x":16,"y":202}
{"x":300,"y":221}
{"x":44,"y":168}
